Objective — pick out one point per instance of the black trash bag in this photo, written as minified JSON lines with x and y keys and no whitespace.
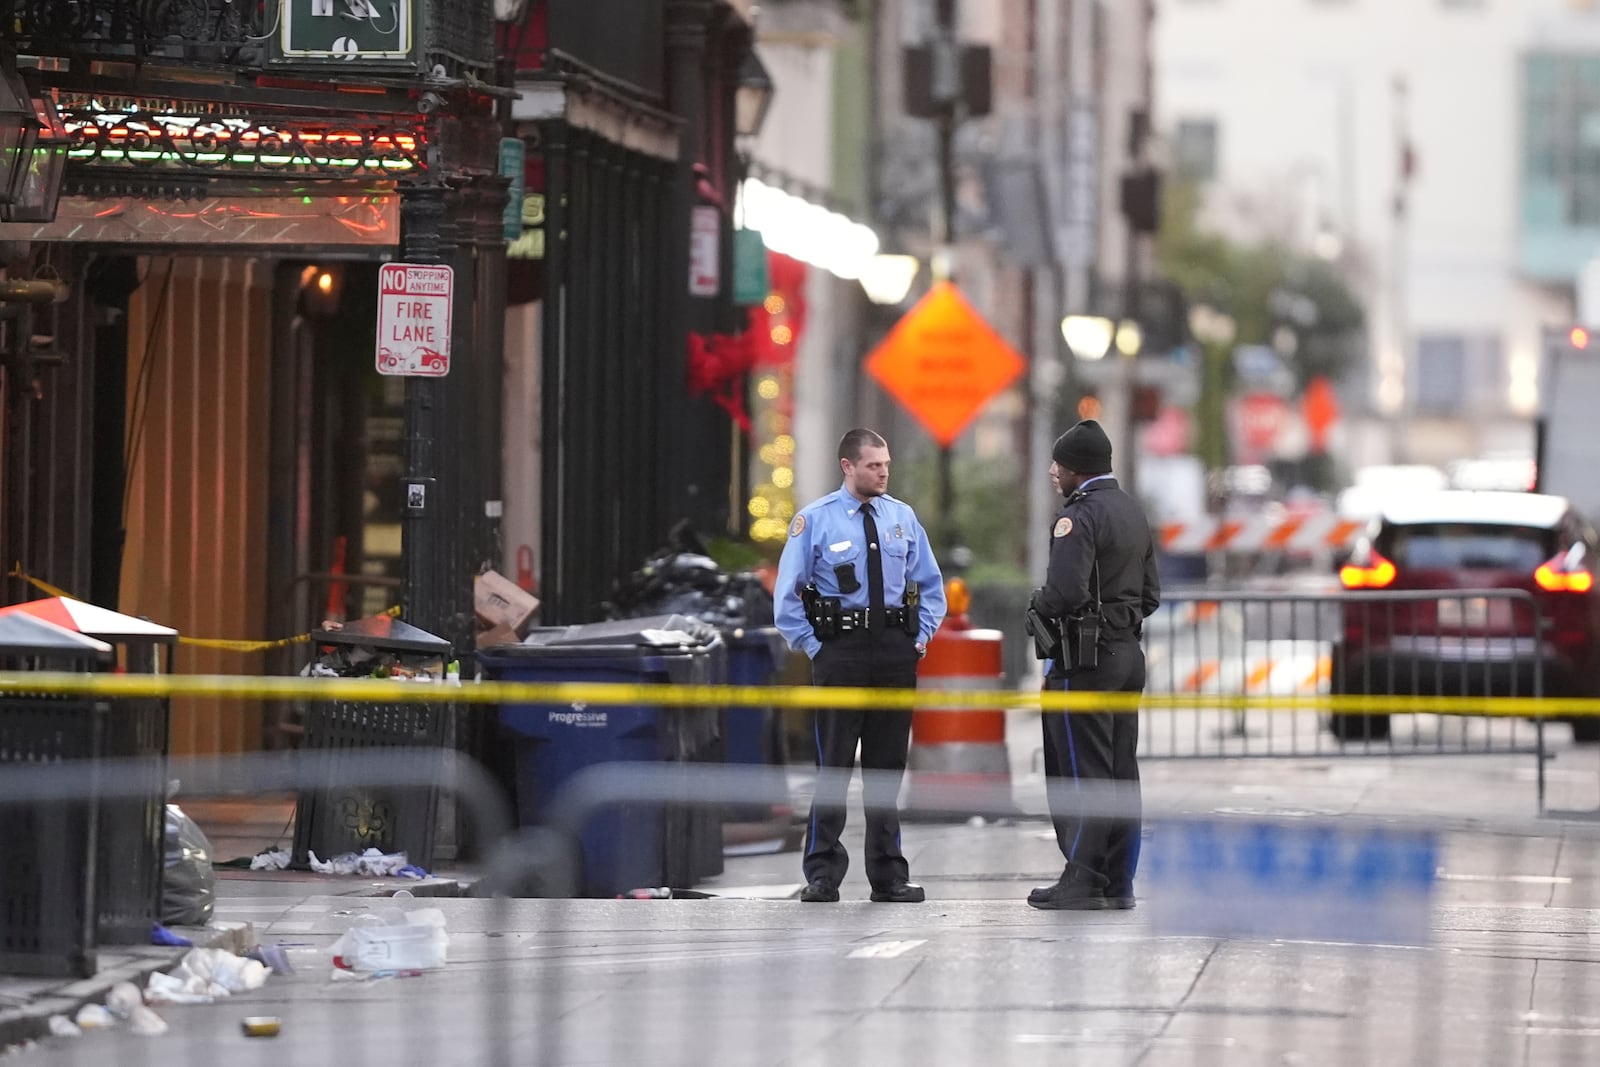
{"x":682,"y":579}
{"x":188,"y":885}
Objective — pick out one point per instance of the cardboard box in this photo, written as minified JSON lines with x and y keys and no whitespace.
{"x":501,"y":602}
{"x":496,"y":636}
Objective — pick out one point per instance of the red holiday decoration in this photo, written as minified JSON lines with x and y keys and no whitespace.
{"x":717,"y":365}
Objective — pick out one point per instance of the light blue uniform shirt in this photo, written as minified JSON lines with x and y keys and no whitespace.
{"x":829,"y":533}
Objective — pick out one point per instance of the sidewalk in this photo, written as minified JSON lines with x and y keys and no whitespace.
{"x":1504,"y":865}
{"x":247,"y":902}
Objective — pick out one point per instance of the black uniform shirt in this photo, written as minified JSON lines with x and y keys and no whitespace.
{"x":1101,"y":522}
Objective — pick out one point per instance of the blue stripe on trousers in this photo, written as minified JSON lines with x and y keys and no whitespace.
{"x":1077,"y":786}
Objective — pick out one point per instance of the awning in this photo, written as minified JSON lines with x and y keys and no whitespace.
{"x":94,"y":621}
{"x":23,"y":634}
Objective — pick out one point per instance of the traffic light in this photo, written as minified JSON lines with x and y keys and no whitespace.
{"x":1146,"y":402}
{"x":1570,"y":339}
{"x":1141,"y":199}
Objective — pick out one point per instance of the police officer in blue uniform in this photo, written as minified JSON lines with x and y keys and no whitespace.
{"x":859,"y":592}
{"x":1100,"y":587}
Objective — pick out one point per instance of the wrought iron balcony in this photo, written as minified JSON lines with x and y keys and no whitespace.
{"x":358,"y":39}
{"x":224,"y":32}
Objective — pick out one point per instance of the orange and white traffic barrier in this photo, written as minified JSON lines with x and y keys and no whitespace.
{"x":1299,"y":533}
{"x":1277,"y":672}
{"x":958,"y":757}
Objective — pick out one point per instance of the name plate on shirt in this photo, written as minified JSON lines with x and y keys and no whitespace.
{"x":1250,"y":878}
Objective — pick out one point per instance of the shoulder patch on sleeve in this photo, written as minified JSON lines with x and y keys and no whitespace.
{"x":1063,"y":526}
{"x":798,"y":526}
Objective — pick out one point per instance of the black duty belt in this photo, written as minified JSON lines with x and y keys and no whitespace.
{"x":856,"y":619}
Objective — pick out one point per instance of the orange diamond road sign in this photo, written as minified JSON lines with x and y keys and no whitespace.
{"x":943,"y":363}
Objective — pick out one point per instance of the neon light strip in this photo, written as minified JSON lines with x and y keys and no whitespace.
{"x":91,"y":155}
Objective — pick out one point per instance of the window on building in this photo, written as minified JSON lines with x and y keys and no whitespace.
{"x":1459,"y":374}
{"x":1561,"y":140}
{"x":1194,"y":149}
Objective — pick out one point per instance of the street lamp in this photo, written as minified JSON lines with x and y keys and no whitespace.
{"x":1089,"y":336}
{"x":16,"y":118}
{"x":753,"y":97}
{"x":887,"y":278}
{"x":1211,"y":326}
{"x":1130,"y":338}
{"x":40,"y":160}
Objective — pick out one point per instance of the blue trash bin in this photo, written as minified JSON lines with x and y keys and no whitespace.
{"x":627,"y":845}
{"x":755,"y":656}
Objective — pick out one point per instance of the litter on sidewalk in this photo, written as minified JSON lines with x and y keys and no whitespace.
{"x":369,"y":864}
{"x":205,"y":976}
{"x":273,"y":859}
{"x":396,"y":944}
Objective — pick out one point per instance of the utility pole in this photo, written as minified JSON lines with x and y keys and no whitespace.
{"x":946,"y":82}
{"x":426,"y":594}
{"x":946,"y":95}
{"x":1394,"y":392}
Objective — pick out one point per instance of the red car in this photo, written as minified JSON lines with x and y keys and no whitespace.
{"x":1513,"y":595}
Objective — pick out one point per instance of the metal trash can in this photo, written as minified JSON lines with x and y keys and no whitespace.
{"x":334,"y":817}
{"x":132,"y":820}
{"x":626,"y":846}
{"x":48,"y":882}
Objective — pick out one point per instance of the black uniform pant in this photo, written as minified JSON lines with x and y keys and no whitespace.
{"x":886,"y":658}
{"x":1090,"y":761}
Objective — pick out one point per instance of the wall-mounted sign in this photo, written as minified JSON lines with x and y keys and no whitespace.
{"x":346,"y":31}
{"x":530,"y":245}
{"x":705,"y":248}
{"x":513,"y":155}
{"x":751,"y":282}
{"x":414,"y":319}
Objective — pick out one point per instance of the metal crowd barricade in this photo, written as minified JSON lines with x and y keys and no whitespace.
{"x":1400,"y":940}
{"x":1463,"y":646}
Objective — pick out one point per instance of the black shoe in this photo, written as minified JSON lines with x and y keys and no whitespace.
{"x":899,"y":893}
{"x":1078,"y":890}
{"x":1120,"y":898}
{"x":819,"y":893}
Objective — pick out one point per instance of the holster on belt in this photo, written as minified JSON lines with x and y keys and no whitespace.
{"x":821,"y":612}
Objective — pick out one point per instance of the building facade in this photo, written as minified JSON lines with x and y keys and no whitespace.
{"x":1436,"y":150}
{"x":197,"y":428}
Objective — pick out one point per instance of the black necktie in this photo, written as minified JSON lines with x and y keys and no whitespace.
{"x":875,"y":620}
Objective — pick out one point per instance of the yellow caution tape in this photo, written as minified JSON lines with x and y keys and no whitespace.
{"x":38,"y":583}
{"x":224,"y":645}
{"x":392,"y":691}
{"x":218,"y":643}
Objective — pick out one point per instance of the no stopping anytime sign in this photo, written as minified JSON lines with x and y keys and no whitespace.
{"x":414,"y":319}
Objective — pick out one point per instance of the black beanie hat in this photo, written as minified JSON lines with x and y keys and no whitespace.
{"x":1084,"y":449}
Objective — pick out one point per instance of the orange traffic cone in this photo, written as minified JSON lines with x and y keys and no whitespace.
{"x":958,"y":764}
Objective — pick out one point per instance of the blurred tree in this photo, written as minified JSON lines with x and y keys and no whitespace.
{"x":1269,"y":294}
{"x":988,"y":508}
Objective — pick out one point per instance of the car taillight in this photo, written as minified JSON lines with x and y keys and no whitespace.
{"x":1554,"y":577}
{"x":1378,"y":573}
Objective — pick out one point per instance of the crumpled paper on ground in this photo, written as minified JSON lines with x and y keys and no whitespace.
{"x":94,"y":1017}
{"x":270,"y":860}
{"x":205,"y":976}
{"x":123,"y":998}
{"x":146,"y":1023}
{"x":368,"y":864}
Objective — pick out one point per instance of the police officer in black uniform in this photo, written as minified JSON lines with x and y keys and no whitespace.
{"x":1102,"y":577}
